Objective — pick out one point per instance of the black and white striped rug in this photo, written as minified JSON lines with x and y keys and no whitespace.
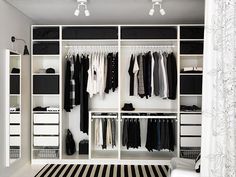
{"x":74,"y":170}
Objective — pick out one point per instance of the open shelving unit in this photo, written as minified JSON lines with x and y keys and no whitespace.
{"x":124,"y":37}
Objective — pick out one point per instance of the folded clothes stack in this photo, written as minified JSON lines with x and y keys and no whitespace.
{"x":192,"y":70}
{"x":14,"y":109}
{"x":48,"y":70}
{"x":15,"y":70}
{"x":189,"y":108}
{"x":48,"y":108}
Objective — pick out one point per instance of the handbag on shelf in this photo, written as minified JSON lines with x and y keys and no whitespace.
{"x":70,"y":143}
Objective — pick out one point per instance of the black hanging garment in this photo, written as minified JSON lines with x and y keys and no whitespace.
{"x":70,"y":143}
{"x":172,"y":75}
{"x":84,"y":95}
{"x":104,"y":133}
{"x":147,"y":73}
{"x":77,"y":80}
{"x":131,"y":74}
{"x":67,"y":105}
{"x":112,"y":72}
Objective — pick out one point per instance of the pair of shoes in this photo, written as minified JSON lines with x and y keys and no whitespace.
{"x":189,"y":108}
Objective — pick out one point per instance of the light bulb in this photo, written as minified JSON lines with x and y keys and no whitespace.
{"x":76,"y":12}
{"x":151,"y":12}
{"x":86,"y":12}
{"x":162,"y":11}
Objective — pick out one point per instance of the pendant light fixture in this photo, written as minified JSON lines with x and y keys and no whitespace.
{"x":26,"y":51}
{"x":84,"y":4}
{"x":156,"y":3}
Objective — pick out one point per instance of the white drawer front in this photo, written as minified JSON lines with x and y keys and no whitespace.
{"x":14,"y":129}
{"x":15,"y":118}
{"x":190,"y":141}
{"x":191,"y":130}
{"x":46,"y":130}
{"x":46,"y":118}
{"x":15,"y":141}
{"x":46,"y":141}
{"x":191,"y":119}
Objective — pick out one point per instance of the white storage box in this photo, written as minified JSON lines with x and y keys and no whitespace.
{"x":46,"y":141}
{"x":46,"y":130}
{"x":15,"y":118}
{"x":191,"y":119}
{"x":190,"y":141}
{"x":15,"y":129}
{"x":46,"y":118}
{"x":191,"y":130}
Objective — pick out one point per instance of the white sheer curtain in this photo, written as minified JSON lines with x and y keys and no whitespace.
{"x":219,"y":90}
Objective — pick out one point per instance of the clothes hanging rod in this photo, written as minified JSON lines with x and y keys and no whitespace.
{"x":101,"y":117}
{"x":148,"y":117}
{"x":91,"y":46}
{"x":148,"y":46}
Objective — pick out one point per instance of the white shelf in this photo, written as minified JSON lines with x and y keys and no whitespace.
{"x":141,"y":110}
{"x":192,"y":40}
{"x":14,"y":74}
{"x":14,"y":112}
{"x":190,"y":112}
{"x":46,"y":55}
{"x":14,"y":94}
{"x":191,"y":55}
{"x":190,"y":74}
{"x":191,"y":95}
{"x":90,"y":40}
{"x":145,"y":155}
{"x":76,"y":155}
{"x":46,"y":74}
{"x":149,"y":40}
{"x":104,"y":110}
{"x":45,"y":40}
{"x":46,"y":95}
{"x":104,"y":154}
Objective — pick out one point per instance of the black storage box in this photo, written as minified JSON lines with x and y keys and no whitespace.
{"x":83,"y":147}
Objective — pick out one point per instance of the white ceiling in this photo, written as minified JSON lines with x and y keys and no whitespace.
{"x":111,"y":11}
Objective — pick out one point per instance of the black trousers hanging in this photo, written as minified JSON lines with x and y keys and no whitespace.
{"x":84,"y":95}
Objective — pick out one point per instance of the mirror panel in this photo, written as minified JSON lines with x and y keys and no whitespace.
{"x":13,"y":107}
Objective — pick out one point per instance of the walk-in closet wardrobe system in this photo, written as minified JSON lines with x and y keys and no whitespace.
{"x":51,"y":46}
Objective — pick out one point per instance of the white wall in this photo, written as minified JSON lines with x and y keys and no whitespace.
{"x":15,"y":23}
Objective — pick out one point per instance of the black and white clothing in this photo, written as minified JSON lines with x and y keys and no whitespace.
{"x":105,"y":132}
{"x":131,"y":133}
{"x":156,"y":75}
{"x":160,"y":135}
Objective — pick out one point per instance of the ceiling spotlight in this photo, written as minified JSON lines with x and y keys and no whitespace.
{"x":162,"y":12}
{"x":82,"y":3}
{"x":155,"y":3}
{"x":86,"y":12}
{"x":76,"y":12}
{"x":151,"y":12}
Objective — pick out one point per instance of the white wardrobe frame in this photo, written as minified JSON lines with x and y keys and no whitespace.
{"x":161,"y":161}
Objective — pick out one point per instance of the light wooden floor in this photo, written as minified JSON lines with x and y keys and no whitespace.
{"x":28,"y":171}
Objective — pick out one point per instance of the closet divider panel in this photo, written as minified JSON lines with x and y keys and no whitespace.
{"x":191,"y":63}
{"x":45,"y":90}
{"x":89,"y":41}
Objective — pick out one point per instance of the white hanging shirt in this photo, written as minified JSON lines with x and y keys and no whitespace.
{"x":135,"y":71}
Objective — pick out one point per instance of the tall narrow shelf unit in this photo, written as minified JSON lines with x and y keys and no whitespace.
{"x":50,"y":46}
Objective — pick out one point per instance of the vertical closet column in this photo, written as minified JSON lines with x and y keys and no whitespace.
{"x":45,"y":98}
{"x":191,"y":62}
{"x":90,"y":61}
{"x":148,"y":92}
